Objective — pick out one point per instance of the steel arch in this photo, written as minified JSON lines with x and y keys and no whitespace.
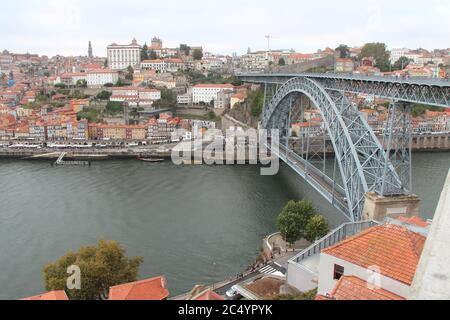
{"x":360,"y":156}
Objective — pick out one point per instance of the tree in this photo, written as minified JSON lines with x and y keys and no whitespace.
{"x":130,"y":73}
{"x":114,"y":106}
{"x":168,"y":100}
{"x":144,"y":52}
{"x":316,"y":228}
{"x":106,"y":63}
{"x":379,"y":52}
{"x":153,"y":55}
{"x":101,"y":267}
{"x":344,"y":51}
{"x":81,"y":83}
{"x":197,"y":54}
{"x":60,"y":86}
{"x":104,"y":95}
{"x":185,"y":49}
{"x":281,"y":62}
{"x":401,"y":63}
{"x":256,"y":100}
{"x":293,"y":219}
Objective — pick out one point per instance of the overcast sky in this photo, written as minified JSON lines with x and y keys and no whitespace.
{"x":65,"y":26}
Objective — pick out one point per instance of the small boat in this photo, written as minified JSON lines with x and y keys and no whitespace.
{"x":151,"y":159}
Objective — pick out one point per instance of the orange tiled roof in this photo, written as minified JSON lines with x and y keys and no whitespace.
{"x":415,"y":220}
{"x":353,"y":288}
{"x":52,"y":295}
{"x":394,"y":249}
{"x":208,"y":295}
{"x":149,"y":289}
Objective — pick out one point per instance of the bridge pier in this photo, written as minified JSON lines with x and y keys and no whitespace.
{"x":377,"y":207}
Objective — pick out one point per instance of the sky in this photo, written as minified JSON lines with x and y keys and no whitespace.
{"x":65,"y":26}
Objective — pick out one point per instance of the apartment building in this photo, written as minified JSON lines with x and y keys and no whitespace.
{"x":207,"y":93}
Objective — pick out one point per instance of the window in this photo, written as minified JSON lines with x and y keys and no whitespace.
{"x":338,"y":272}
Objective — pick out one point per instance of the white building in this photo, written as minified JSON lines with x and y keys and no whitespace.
{"x":162,"y":66}
{"x":149,"y":94}
{"x":398,"y":53}
{"x":135,"y":96}
{"x":255,"y":61}
{"x":207,"y":93}
{"x":184,"y":99}
{"x":121,"y":57}
{"x":98,"y":78}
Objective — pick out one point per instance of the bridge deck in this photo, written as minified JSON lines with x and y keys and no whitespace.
{"x":330,"y":190}
{"x":283,"y":77}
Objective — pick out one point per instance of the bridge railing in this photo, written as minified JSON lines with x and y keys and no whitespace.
{"x":359,"y":77}
{"x":312,"y":175}
{"x":339,"y":234}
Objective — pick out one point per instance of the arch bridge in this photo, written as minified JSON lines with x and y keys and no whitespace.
{"x":364,"y":160}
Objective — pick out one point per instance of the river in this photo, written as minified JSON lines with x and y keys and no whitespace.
{"x":194,"y":224}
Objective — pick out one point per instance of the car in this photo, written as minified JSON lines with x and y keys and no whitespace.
{"x":233,"y":294}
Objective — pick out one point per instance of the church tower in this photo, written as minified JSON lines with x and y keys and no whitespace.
{"x":90,"y":53}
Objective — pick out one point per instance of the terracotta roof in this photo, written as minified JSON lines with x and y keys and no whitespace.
{"x":149,"y":289}
{"x":394,"y":249}
{"x":52,"y":295}
{"x":208,"y":295}
{"x":353,"y":288}
{"x":415,"y":220}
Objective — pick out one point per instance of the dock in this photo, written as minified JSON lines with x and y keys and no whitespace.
{"x":61,"y":162}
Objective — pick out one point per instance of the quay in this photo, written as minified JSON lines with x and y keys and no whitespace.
{"x":61,"y":162}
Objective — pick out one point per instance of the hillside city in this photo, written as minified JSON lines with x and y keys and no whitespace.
{"x":89,"y":98}
{"x":143,"y":94}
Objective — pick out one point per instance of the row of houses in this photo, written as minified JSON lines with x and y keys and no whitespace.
{"x":93,"y":78}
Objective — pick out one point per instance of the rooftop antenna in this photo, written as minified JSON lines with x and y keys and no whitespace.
{"x":268,"y":37}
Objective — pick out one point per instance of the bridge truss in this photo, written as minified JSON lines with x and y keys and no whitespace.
{"x":362,"y":163}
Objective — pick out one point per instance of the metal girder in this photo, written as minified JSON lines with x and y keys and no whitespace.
{"x":359,"y":154}
{"x":434,"y":92}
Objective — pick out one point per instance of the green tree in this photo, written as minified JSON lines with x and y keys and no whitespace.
{"x":378,"y":51}
{"x":316,"y":228}
{"x":81,"y":83}
{"x":130,"y":73}
{"x":197,"y":54}
{"x":168,"y":100}
{"x":60,"y":86}
{"x":309,"y":295}
{"x":104,"y":95}
{"x":101,"y":266}
{"x":106,"y":63}
{"x":185,"y":49}
{"x":153,"y":55}
{"x":114,"y":106}
{"x":144,"y":52}
{"x":293,"y":219}
{"x":281,"y":62}
{"x":256,"y":100}
{"x":344,"y":51}
{"x":401,"y":63}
